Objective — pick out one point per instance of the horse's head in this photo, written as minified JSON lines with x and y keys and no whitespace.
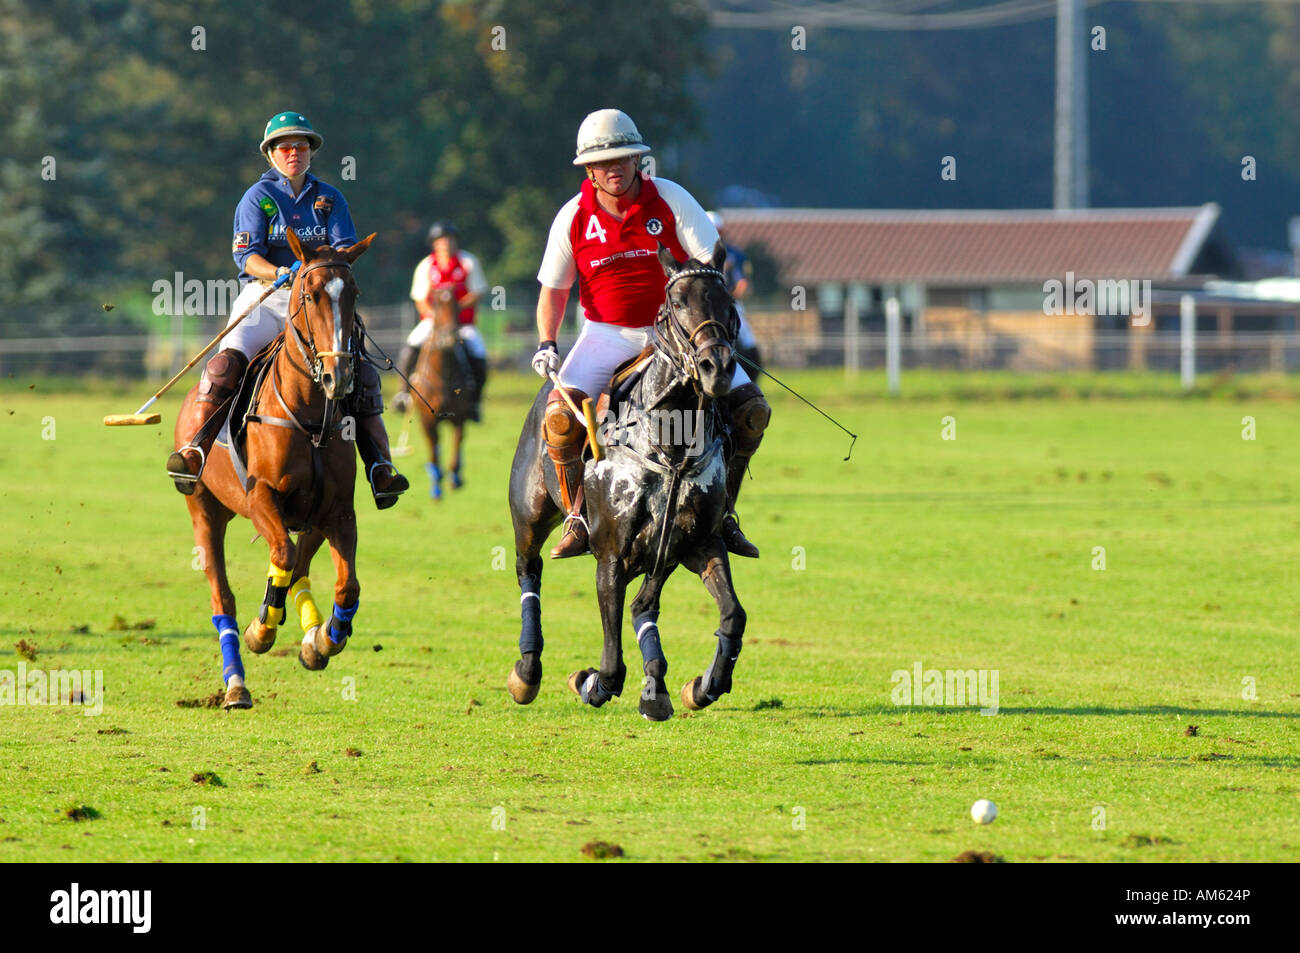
{"x":698,"y":323}
{"x":321,"y":312}
{"x":445,"y":317}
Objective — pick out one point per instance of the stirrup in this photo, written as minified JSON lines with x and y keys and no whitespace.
{"x":185,"y":480}
{"x":399,"y":485}
{"x":581,"y":520}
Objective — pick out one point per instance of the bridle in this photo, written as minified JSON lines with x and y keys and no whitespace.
{"x":671,"y":338}
{"x":312,"y":359}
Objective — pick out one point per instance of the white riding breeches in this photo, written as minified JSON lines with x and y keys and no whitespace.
{"x":601,"y":348}
{"x":262,"y":326}
{"x":468,"y":333}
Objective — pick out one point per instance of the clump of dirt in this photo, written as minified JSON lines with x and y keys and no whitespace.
{"x":1191,"y":731}
{"x":352,"y":752}
{"x":1212,"y":756}
{"x":977,"y":857}
{"x":473,"y":703}
{"x":377,"y":647}
{"x":1145,"y":840}
{"x":120,"y":624}
{"x":80,"y":629}
{"x":311,"y":768}
{"x":769,"y":703}
{"x":115,"y":730}
{"x":282,"y":652}
{"x":215,"y":700}
{"x":26,"y":650}
{"x":208,"y":778}
{"x":80,"y":812}
{"x":601,"y":850}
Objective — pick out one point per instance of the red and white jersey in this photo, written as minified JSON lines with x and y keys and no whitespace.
{"x":465,"y":275}
{"x":620,"y":280}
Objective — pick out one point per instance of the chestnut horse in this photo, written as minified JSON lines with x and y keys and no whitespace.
{"x":301,"y":466}
{"x":443,"y":376}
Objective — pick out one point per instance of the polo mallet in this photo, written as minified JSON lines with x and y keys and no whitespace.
{"x":140,"y":418}
{"x":587,"y":413}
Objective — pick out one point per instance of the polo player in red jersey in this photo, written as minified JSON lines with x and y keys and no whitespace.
{"x":607,"y":237}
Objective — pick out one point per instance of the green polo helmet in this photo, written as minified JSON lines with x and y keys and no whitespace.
{"x":290,"y":124}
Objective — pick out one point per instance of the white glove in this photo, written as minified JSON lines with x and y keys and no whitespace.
{"x":547,"y":360}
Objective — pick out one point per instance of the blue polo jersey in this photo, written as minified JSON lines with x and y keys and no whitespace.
{"x":319,"y":216}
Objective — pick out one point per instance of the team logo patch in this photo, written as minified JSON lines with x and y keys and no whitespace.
{"x":654,"y":226}
{"x":242,"y":241}
{"x":324,"y":204}
{"x":267,"y":205}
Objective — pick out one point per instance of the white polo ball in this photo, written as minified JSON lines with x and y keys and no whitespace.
{"x":983,"y":811}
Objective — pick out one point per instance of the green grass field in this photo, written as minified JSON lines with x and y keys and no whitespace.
{"x":972,"y":553}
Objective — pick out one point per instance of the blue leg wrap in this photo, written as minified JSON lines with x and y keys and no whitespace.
{"x":341,"y":622}
{"x":647,"y":637}
{"x":228,"y":632}
{"x":435,"y":480}
{"x":530,"y":610}
{"x":724,"y":660}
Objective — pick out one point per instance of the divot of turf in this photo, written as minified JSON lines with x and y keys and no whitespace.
{"x":208,"y":778}
{"x":80,"y":812}
{"x":977,"y":857}
{"x":601,"y":850}
{"x":769,"y":703}
{"x":1146,"y":840}
{"x":26,"y":650}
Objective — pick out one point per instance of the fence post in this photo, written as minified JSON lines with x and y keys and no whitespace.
{"x":851,"y":355}
{"x":1187,"y":340}
{"x":893,"y":333}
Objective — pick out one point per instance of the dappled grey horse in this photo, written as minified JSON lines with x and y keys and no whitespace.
{"x":654,"y":502}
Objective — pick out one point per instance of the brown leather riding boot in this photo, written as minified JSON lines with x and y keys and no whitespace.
{"x":574,"y":542}
{"x":730,"y":529}
{"x":220,"y":379}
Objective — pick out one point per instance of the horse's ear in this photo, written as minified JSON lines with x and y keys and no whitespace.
{"x":719,"y":255}
{"x":353,"y":252}
{"x":304,"y":255}
{"x":668,"y":260}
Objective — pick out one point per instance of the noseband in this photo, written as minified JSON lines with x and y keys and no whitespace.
{"x":313,"y":359}
{"x":672,"y":339}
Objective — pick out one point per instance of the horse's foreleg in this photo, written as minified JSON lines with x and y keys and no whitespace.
{"x":434,"y":466}
{"x":656,"y":703}
{"x":210,"y":540}
{"x":300,"y":597}
{"x":457,"y":481}
{"x":260,"y":634}
{"x":332,"y":639}
{"x":712,"y":564}
{"x":595,"y":687}
{"x":525,"y":678}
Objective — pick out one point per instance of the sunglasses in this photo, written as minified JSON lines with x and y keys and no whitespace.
{"x":291,"y":147}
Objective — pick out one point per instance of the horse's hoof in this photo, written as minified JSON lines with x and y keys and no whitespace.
{"x":577,"y":678}
{"x":520,"y":690}
{"x":658,"y":708}
{"x":692,"y":696}
{"x":308,"y":657}
{"x":324,"y":646}
{"x":237,"y":696}
{"x":258,"y":637}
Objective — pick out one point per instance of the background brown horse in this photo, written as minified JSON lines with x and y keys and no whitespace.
{"x":301,"y":466}
{"x":443,"y":376}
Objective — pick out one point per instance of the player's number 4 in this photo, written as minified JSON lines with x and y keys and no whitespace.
{"x":594,"y":230}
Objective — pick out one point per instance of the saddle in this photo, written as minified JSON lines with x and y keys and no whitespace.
{"x":621,"y":383}
{"x":235,"y":419}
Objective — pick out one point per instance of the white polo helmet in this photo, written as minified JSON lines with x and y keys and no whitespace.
{"x":608,"y":134}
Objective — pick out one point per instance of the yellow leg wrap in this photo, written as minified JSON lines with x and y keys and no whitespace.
{"x":308,"y":615}
{"x":279,"y":577}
